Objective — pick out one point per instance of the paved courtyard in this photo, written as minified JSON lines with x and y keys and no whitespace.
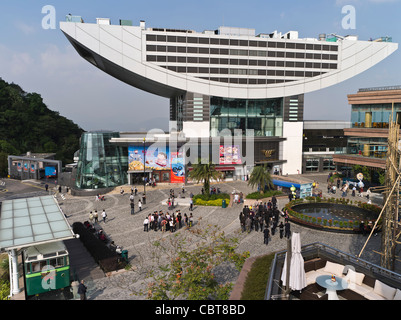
{"x":126,"y":230}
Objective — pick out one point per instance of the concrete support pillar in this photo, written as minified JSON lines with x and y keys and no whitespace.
{"x":14,"y":281}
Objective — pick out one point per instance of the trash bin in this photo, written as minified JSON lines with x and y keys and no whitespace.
{"x":124,"y":255}
{"x":224,"y":203}
{"x":143,"y":199}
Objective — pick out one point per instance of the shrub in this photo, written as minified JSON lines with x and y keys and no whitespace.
{"x":257,"y":195}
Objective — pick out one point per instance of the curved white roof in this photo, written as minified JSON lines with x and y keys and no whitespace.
{"x":156,"y":61}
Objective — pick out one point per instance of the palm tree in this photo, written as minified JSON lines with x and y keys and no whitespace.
{"x":260,"y":177}
{"x":204,"y":171}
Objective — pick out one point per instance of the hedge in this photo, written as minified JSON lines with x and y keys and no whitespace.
{"x":257,"y":195}
{"x":211,"y":200}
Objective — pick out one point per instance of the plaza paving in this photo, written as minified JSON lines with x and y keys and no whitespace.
{"x":126,"y":230}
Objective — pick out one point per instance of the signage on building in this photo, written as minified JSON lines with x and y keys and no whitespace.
{"x":230,"y":154}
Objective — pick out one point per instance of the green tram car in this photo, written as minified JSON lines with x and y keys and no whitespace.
{"x":46,"y":268}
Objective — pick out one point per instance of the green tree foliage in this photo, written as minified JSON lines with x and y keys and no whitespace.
{"x":26,"y":124}
{"x":260,"y":178}
{"x":204,"y":171}
{"x":189,"y":270}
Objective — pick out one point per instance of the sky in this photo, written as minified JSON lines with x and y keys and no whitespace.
{"x":42,"y":60}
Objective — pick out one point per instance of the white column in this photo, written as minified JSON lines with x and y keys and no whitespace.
{"x":292,"y":147}
{"x":14,"y":274}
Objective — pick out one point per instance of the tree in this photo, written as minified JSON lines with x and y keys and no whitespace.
{"x":204,"y":171}
{"x":260,"y":177}
{"x":186,"y":264}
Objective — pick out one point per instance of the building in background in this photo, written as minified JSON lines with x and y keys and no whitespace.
{"x":227,"y":81}
{"x":371,"y":109}
{"x":322,"y":140}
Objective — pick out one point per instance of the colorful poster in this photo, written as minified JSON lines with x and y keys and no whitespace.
{"x":230,"y":155}
{"x":26,"y":167}
{"x":32,"y":168}
{"x":177,"y":168}
{"x":19,"y":167}
{"x":156,"y":158}
{"x":50,"y":171}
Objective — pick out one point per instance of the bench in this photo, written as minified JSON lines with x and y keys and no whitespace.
{"x":360,"y":286}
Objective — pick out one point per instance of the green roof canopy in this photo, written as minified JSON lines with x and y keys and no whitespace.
{"x":30,"y":221}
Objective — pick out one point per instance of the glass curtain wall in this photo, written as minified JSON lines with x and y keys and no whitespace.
{"x":374,"y":116}
{"x":264,"y":116}
{"x":101,"y":164}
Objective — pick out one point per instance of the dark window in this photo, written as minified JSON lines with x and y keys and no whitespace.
{"x":308,"y":65}
{"x":243,"y":43}
{"x":223,"y":71}
{"x":214,"y":70}
{"x":253,"y":43}
{"x":234,"y":61}
{"x":182,"y":69}
{"x":333,"y":57}
{"x":192,"y":60}
{"x":172,"y":68}
{"x":262,"y":44}
{"x":272,"y":44}
{"x":182,"y":59}
{"x":271,"y":54}
{"x":203,"y":70}
{"x":317,"y":56}
{"x":192,"y":39}
{"x":224,"y":51}
{"x":243,"y":62}
{"x":280,"y":44}
{"x":204,"y":50}
{"x":150,"y":37}
{"x":271,"y":63}
{"x":280,"y":54}
{"x":280,"y":63}
{"x":290,"y":55}
{"x":308,"y":74}
{"x":171,"y":59}
{"x":171,"y":49}
{"x":262,"y":63}
{"x":270,"y":81}
{"x":182,"y":39}
{"x":192,"y":69}
{"x":317,"y":65}
{"x":204,"y":60}
{"x":325,"y":56}
{"x":171,"y":39}
{"x":224,"y":80}
{"x":161,"y":38}
{"x":290,"y":64}
{"x":299,"y":65}
{"x":214,"y":41}
{"x":261,"y":81}
{"x":280,"y":73}
{"x":315,"y":74}
{"x":299,"y":73}
{"x":326,"y":47}
{"x":214,"y":60}
{"x":161,"y":48}
{"x":300,"y":55}
{"x":243,"y":81}
{"x":309,"y":46}
{"x":261,"y":72}
{"x":214,"y":51}
{"x":271,"y":72}
{"x":325,"y":65}
{"x":161,"y":59}
{"x":223,"y":61}
{"x":204,"y":40}
{"x":253,"y":62}
{"x":150,"y":58}
{"x":192,"y":50}
{"x":182,"y":49}
{"x":252,"y":81}
{"x":309,"y":56}
{"x":290,"y":45}
{"x":289,"y":73}
{"x":234,"y":42}
{"x":317,"y":47}
{"x":300,"y":46}
{"x":150,"y":48}
{"x":233,"y":80}
{"x":224,"y":42}
{"x":333,"y":48}
{"x":333,"y":66}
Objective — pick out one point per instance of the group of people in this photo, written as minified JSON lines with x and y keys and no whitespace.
{"x":346,"y":187}
{"x":166,"y":222}
{"x":94,"y":217}
{"x":264,"y":217}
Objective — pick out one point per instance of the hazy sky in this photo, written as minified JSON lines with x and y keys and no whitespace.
{"x":43,"y":61}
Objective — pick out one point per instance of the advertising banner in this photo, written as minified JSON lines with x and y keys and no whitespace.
{"x":156,"y":158}
{"x":50,"y":171}
{"x":230,"y":155}
{"x":177,"y":167}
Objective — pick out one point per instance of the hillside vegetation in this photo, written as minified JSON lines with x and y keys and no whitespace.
{"x":26,"y":124}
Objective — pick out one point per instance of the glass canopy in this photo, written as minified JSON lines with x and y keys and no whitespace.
{"x":29,"y":221}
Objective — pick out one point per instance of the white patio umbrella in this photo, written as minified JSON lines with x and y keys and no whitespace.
{"x":297,"y":275}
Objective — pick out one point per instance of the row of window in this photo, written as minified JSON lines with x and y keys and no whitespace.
{"x":242,"y":43}
{"x":242,"y":62}
{"x":236,"y":52}
{"x":277,"y":73}
{"x":246,"y":81}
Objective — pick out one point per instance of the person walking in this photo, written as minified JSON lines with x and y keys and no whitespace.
{"x":96,"y":216}
{"x":191,"y":204}
{"x":91,"y":218}
{"x":281,"y":228}
{"x":82,"y":290}
{"x":266,"y":234}
{"x":132,"y":204}
{"x":248,"y":223}
{"x":146,"y":224}
{"x":104,"y":215}
{"x":140,"y":205}
{"x":287,"y":230}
